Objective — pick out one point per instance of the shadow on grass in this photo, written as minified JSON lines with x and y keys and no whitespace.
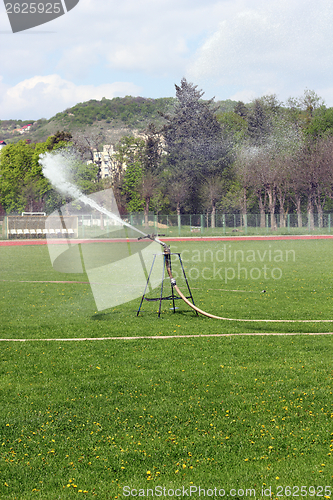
{"x":106,"y":316}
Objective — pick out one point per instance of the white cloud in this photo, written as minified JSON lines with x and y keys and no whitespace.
{"x":145,"y":36}
{"x":44,"y":96}
{"x":248,"y":48}
{"x":244,"y":95}
{"x":280,"y":47}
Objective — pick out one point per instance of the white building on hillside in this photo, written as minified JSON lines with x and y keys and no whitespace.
{"x":104,"y":159}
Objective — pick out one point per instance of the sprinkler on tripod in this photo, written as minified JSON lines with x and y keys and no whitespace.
{"x":166,"y":264}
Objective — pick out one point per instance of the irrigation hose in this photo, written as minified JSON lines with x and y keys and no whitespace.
{"x":204,"y":313}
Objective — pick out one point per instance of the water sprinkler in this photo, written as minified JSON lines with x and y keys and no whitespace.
{"x":166,"y":264}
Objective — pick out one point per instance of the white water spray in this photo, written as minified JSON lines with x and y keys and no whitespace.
{"x":58,"y":168}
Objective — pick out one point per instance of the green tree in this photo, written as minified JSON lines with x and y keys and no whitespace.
{"x":60,"y":137}
{"x":139,"y":159}
{"x":151,"y":180}
{"x":193,"y":142}
{"x":258,"y":125}
{"x":15,"y":165}
{"x":129,"y":156}
{"x":212,"y":191}
{"x":321,"y":125}
{"x":241,"y":110}
{"x":234,"y":127}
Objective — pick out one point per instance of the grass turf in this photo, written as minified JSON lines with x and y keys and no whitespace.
{"x":302,"y":289}
{"x":89,"y":418}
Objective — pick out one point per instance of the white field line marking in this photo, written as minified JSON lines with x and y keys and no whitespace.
{"x":164,"y":337}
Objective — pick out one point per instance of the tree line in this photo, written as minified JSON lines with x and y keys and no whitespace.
{"x":266,"y":157}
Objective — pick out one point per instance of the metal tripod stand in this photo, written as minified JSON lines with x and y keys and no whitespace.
{"x":173,"y":297}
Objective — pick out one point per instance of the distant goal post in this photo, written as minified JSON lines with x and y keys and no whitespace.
{"x":34,"y":213}
{"x":39,"y":225}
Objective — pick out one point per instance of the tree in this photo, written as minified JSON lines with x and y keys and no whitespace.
{"x":212,"y":193}
{"x":233,"y":127}
{"x":244,"y":168}
{"x":310,"y":101}
{"x":302,"y":109}
{"x":60,"y":137}
{"x":240,"y":109}
{"x":86,"y":143}
{"x":178,"y":192}
{"x":15,"y":163}
{"x":139,"y":160}
{"x":129,"y":155}
{"x":258,"y":126}
{"x":321,"y":125}
{"x":193,"y":142}
{"x":151,"y":168}
{"x":315,"y":168}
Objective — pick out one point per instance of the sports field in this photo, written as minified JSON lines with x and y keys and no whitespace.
{"x":102,"y":418}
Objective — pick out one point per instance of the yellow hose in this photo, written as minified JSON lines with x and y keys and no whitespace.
{"x":204,"y":313}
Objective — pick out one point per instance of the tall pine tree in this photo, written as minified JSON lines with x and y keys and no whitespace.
{"x":194,"y":143}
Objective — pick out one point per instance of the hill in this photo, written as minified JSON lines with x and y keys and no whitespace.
{"x":113,"y":118}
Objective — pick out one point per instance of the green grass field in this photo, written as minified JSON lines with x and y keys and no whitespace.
{"x":101,"y":418}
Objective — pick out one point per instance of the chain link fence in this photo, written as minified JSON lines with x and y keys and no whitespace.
{"x":195,"y":225}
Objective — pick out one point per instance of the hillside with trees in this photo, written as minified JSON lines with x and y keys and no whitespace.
{"x":108,"y":116}
{"x":113,"y":118}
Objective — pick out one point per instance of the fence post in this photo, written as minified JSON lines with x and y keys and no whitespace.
{"x":288,"y":219}
{"x":179,"y":223}
{"x":223,"y":223}
{"x":202,"y":222}
{"x":267,"y":223}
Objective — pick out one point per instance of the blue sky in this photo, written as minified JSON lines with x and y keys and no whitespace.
{"x":239,"y":49}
